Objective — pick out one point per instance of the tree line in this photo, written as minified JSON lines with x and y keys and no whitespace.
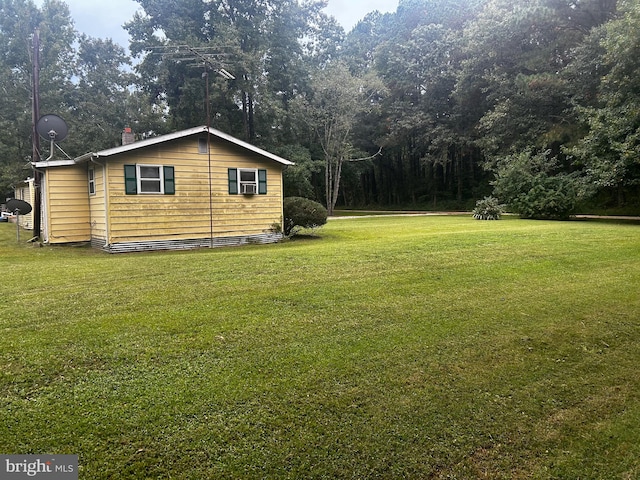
{"x":435,"y":105}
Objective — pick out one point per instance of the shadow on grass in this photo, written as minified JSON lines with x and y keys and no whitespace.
{"x":304,"y":237}
{"x":611,"y":220}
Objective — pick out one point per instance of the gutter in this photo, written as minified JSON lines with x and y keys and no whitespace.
{"x":86,"y":156}
{"x":61,"y":163}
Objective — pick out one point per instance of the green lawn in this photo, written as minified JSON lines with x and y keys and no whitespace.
{"x":391,"y":347}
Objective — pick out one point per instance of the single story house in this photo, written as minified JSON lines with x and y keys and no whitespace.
{"x":193,"y":188}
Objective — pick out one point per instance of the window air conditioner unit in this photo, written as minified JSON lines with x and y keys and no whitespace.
{"x":248,"y":189}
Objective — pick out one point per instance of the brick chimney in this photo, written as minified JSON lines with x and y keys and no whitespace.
{"x":127,"y":136}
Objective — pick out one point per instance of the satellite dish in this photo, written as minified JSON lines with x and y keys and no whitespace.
{"x":18,"y":206}
{"x":52,"y":127}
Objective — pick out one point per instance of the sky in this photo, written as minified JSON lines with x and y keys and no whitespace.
{"x":104,"y":19}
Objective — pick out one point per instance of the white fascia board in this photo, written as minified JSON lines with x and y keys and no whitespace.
{"x":149,"y":142}
{"x":186,"y":133}
{"x":63,"y":163}
{"x":53,"y":163}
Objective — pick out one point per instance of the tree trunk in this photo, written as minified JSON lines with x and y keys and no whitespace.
{"x":459,"y":173}
{"x":620,"y":195}
{"x":327,"y":180}
{"x":251,"y":120}
{"x":245,"y":116}
{"x":336,"y":185}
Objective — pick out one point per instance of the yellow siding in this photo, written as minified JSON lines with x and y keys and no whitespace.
{"x":67,"y":206}
{"x":186,"y":215}
{"x":26,"y":193}
{"x":97,"y":205}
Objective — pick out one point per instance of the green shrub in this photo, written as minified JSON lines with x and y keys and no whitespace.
{"x":534,"y":186}
{"x":489,"y":208}
{"x":302,"y":213}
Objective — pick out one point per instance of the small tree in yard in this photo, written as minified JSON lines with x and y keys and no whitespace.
{"x":302,"y":213}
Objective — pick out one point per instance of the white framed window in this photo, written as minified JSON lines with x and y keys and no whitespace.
{"x":248,"y":180}
{"x":141,"y":179}
{"x":92,"y":180}
{"x":150,"y":179}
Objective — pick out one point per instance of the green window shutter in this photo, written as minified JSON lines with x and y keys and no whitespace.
{"x":130,"y":181}
{"x":169,"y":181}
{"x":262,"y":182}
{"x":233,"y":181}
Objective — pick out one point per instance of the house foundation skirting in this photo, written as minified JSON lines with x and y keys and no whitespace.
{"x":188,"y":244}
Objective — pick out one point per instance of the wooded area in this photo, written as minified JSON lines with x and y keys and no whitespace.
{"x":434,"y":106}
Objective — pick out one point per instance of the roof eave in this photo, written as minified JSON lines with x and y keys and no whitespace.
{"x":162,"y":139}
{"x":53,"y":163}
{"x":248,"y":146}
{"x":186,"y":133}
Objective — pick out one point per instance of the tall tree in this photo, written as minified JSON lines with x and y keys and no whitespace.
{"x":18,"y":22}
{"x":419,"y":63}
{"x":260,"y":41}
{"x":515,"y":54}
{"x":609,"y":150}
{"x":97,"y":104}
{"x":332,"y":110}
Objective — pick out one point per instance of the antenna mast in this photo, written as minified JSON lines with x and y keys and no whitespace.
{"x":35,"y":156}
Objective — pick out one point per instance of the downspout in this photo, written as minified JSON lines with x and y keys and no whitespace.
{"x":106,"y":197}
{"x":90,"y":157}
{"x":285,"y":167}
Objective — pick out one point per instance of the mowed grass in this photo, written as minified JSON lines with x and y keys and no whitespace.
{"x":392,"y":347}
